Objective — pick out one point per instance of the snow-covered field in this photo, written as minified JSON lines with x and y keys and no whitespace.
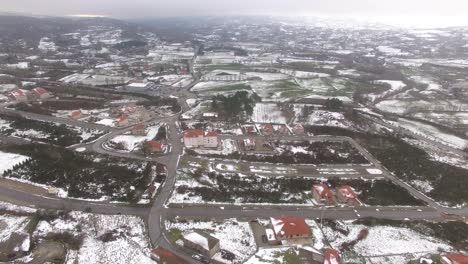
{"x":131,"y":142}
{"x":432,"y":133}
{"x":9,"y":160}
{"x":234,"y":236}
{"x":130,"y":243}
{"x":268,"y":113}
{"x":384,"y":240}
{"x":395,"y":87}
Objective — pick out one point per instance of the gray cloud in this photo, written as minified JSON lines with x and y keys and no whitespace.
{"x":153,"y":8}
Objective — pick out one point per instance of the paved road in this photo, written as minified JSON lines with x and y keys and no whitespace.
{"x":38,"y":201}
{"x":55,"y":119}
{"x":261,"y":211}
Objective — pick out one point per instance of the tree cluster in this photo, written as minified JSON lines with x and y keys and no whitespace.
{"x":234,"y":106}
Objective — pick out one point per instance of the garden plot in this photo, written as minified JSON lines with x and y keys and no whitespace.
{"x":131,"y":142}
{"x":234,"y":236}
{"x":268,"y":113}
{"x":383,"y":240}
{"x":270,"y":255}
{"x":98,"y":238}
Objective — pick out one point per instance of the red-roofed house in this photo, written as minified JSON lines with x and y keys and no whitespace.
{"x":345,"y":194}
{"x":454,"y":258}
{"x":289,"y":227}
{"x":75,"y":115}
{"x":139,"y":130}
{"x":122,"y":120}
{"x":267,"y":129}
{"x":298,"y":129}
{"x":193,"y":138}
{"x":331,"y":256}
{"x":164,"y":256}
{"x":249,"y":144}
{"x":154,"y":146}
{"x":210,"y":140}
{"x":18,"y":95}
{"x":41,"y":93}
{"x":322,"y":193}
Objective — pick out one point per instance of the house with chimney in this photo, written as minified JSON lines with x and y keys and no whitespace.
{"x":345,"y":194}
{"x":322,"y":194}
{"x":75,"y":115}
{"x":122,"y":121}
{"x":41,"y":93}
{"x":18,"y":95}
{"x":289,"y":228}
{"x":154,"y":146}
{"x":139,"y":130}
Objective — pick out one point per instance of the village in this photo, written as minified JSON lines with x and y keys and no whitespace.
{"x":234,"y":143}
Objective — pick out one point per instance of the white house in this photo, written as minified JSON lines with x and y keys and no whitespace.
{"x":193,"y":138}
{"x":210,"y":140}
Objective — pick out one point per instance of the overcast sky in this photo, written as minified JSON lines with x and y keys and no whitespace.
{"x":443,"y":12}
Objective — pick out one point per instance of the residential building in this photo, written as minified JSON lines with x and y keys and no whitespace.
{"x":454,"y":258}
{"x":202,"y":242}
{"x":331,"y":256}
{"x":345,"y":194}
{"x":154,"y":146}
{"x":41,"y":93}
{"x":267,"y":129}
{"x":322,"y":193}
{"x":193,"y":138}
{"x":164,"y":256}
{"x":298,"y":129}
{"x":122,"y":121}
{"x":250,"y":129}
{"x":18,"y":95}
{"x":249,"y":144}
{"x":139,"y":130}
{"x":75,"y":115}
{"x":290,"y":227}
{"x":210,"y":139}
